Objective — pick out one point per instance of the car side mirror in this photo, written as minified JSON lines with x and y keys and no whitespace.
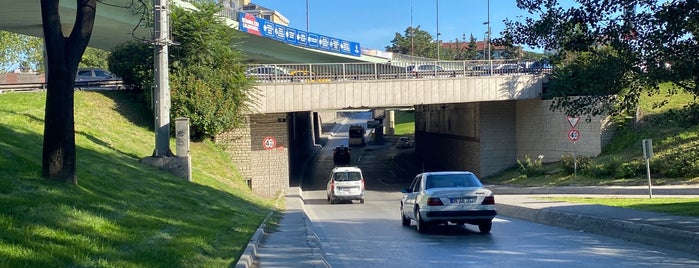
{"x":406,"y":190}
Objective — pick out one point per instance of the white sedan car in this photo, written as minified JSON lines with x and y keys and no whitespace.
{"x":447,"y":197}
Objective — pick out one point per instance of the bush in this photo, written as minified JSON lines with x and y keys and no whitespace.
{"x":630,"y":169}
{"x":531,"y":168}
{"x":678,"y":163}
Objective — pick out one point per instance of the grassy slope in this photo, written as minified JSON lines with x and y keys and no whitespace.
{"x":405,"y":123}
{"x":122,"y":213}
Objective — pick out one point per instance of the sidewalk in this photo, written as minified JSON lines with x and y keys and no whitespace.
{"x":295,"y":244}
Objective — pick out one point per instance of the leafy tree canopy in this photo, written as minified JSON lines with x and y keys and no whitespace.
{"x":18,"y":50}
{"x":207,"y":80}
{"x":415,"y":42}
{"x":612,"y":47}
{"x":95,"y":58}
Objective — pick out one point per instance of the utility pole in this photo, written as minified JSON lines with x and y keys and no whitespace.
{"x":489,"y":30}
{"x":438,"y":30}
{"x":412,"y":31}
{"x":306,"y":15}
{"x":162,"y":88}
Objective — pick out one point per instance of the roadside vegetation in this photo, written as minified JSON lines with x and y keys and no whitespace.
{"x":405,"y":123}
{"x":122,"y":213}
{"x":676,"y":206}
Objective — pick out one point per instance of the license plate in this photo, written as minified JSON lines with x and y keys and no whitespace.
{"x":462,"y":200}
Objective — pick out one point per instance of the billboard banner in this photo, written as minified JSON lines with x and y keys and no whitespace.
{"x":253,"y":25}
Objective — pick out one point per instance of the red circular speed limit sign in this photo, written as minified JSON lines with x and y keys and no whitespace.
{"x":269,"y":143}
{"x":573,"y":135}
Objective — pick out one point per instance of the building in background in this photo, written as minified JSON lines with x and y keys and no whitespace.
{"x":264,"y":13}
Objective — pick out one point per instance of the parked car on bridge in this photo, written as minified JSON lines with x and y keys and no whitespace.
{"x":507,"y":68}
{"x":269,"y":73}
{"x":540,"y":66}
{"x":447,"y":197}
{"x":424,"y":70}
{"x":345,"y":183}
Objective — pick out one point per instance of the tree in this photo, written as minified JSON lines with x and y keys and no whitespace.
{"x":472,"y":52}
{"x":652,"y":41}
{"x":63,"y":56}
{"x":207,"y":80}
{"x":416,"y":42}
{"x":95,"y":58}
{"x":23,"y":50}
{"x":133,"y":62}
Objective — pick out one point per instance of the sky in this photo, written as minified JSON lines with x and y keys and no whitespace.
{"x":374,"y":23}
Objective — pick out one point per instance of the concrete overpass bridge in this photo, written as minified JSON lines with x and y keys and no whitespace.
{"x":467,"y":114}
{"x":465,"y":118}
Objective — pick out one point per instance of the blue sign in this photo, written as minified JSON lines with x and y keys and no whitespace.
{"x":261,"y":27}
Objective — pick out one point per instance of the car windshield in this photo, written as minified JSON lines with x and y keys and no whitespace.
{"x":347,"y":176}
{"x":452,"y":180}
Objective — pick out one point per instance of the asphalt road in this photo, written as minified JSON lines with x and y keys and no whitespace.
{"x":370,"y":234}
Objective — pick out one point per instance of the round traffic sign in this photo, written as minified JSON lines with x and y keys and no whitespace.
{"x":573,"y":135}
{"x":269,"y":143}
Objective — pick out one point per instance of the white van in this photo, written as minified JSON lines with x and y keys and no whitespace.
{"x":345,"y":183}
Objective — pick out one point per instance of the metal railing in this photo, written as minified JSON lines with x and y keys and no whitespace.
{"x":327,"y":72}
{"x":22,"y":87}
{"x":82,"y":85}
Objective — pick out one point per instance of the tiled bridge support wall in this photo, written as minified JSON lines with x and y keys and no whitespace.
{"x":489,"y":137}
{"x":270,"y":170}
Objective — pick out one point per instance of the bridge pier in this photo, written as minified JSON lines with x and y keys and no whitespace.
{"x":271,"y":167}
{"x":489,"y":137}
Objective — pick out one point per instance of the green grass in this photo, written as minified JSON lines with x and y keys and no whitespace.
{"x":122,"y":213}
{"x":405,"y":123}
{"x":675,"y":206}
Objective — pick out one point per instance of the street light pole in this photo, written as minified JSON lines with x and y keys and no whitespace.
{"x":306,"y":15}
{"x":412,"y":30}
{"x":438,"y":30}
{"x":488,"y":30}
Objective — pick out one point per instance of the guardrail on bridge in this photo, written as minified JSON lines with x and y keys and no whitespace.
{"x":327,"y":72}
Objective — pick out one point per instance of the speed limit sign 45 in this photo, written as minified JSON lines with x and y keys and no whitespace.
{"x":573,"y":135}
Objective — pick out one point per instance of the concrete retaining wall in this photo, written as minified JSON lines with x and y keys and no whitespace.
{"x":489,"y":137}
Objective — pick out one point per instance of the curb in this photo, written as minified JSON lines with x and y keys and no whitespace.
{"x":631,"y":231}
{"x":248,"y":257}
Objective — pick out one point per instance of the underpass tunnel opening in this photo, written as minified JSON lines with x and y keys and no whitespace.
{"x":302,"y":136}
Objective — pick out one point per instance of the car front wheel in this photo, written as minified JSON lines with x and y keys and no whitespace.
{"x":404,"y":220}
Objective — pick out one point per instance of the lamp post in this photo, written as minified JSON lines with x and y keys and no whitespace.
{"x":306,"y":15}
{"x":438,"y":30}
{"x":489,"y":30}
{"x":412,"y":30}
